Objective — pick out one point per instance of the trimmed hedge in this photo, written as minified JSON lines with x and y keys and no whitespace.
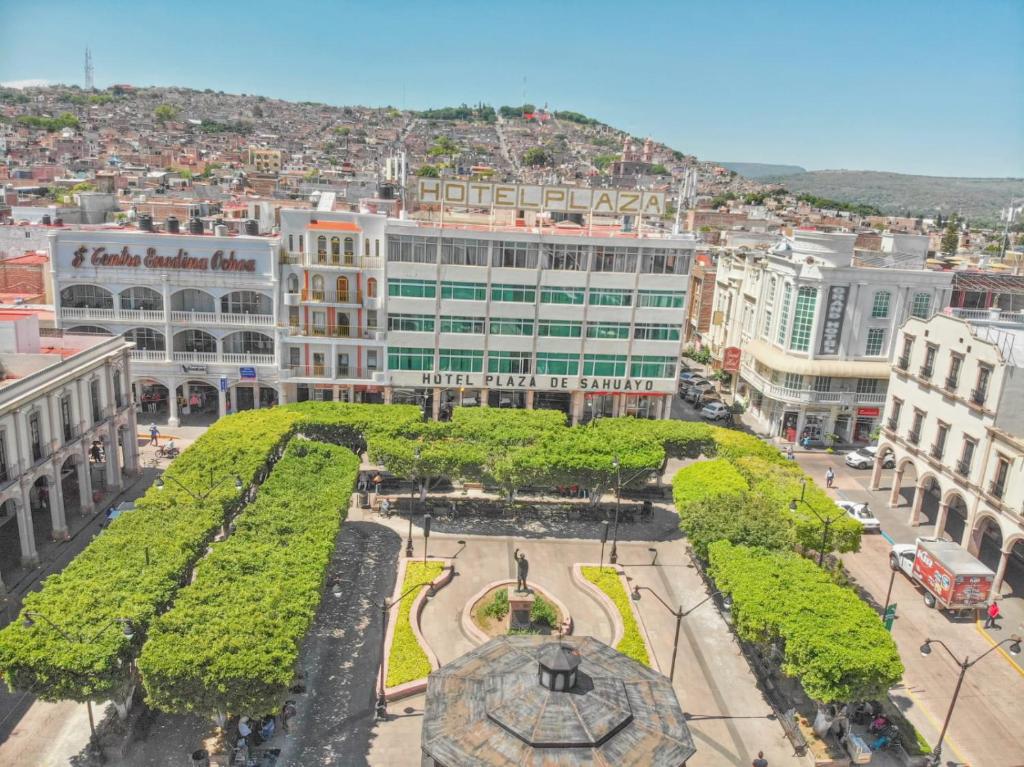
{"x":833,"y":642}
{"x":230,"y":643}
{"x":407,"y":660}
{"x":110,"y":578}
{"x":706,"y":479}
{"x":632,"y":643}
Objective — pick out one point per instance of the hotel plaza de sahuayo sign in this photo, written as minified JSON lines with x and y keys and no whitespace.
{"x":564,"y":199}
{"x":218,"y":261}
{"x":596,"y":384}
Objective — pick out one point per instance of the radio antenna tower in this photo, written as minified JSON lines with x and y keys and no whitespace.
{"x":89,"y":85}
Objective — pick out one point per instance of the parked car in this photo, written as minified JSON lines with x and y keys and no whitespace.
{"x":707,"y":397}
{"x":695,"y":390}
{"x":715,"y":411}
{"x":684,"y":386}
{"x":864,"y":458}
{"x":951,"y":577}
{"x":862,"y":513}
{"x":687,"y":375}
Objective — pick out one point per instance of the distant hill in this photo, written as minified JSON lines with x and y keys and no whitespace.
{"x":979,"y":200}
{"x":759,"y":170}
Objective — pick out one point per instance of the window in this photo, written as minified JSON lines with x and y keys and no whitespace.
{"x":554,"y":294}
{"x":509,"y":362}
{"x":293,"y":283}
{"x":571,"y":258}
{"x":787,"y":296}
{"x":610,"y":297}
{"x":793,"y":381}
{"x":461,"y":361}
{"x":981,"y":390}
{"x":371,"y":287}
{"x":411,"y":323}
{"x":908,"y":347}
{"x":894,"y":417}
{"x":245,"y":302}
{"x":921,"y":305}
{"x":146,"y":339}
{"x":559,"y":328}
{"x":515,"y":255}
{"x":915,"y":429}
{"x":803,"y":319}
{"x":94,"y":400}
{"x":998,"y":486}
{"x":321,"y":246}
{"x":520,"y":294}
{"x":614,"y":330}
{"x":769,"y":306}
{"x":371,"y":359}
{"x":966,"y":456}
{"x":407,"y":358}
{"x":291,"y":242}
{"x":559,"y":364}
{"x":35,"y":437}
{"x":464,"y":291}
{"x":460,"y":252}
{"x":302,"y":240}
{"x":941,"y":432}
{"x":118,"y":393}
{"x":647,"y":332}
{"x":642,"y":366}
{"x":867,"y":386}
{"x":409,"y":248}
{"x":929,"y":361}
{"x":823,"y":383}
{"x":875,"y":342}
{"x":511,"y":326}
{"x":5,"y":469}
{"x":880,"y":305}
{"x":664,"y":261}
{"x":335,"y":247}
{"x":350,"y":247}
{"x":604,"y":364}
{"x":474,"y":325}
{"x":65,"y":418}
{"x":412,"y":288}
{"x":659,"y":299}
{"x":610,"y":258}
{"x":956,"y":363}
{"x":371,"y":320}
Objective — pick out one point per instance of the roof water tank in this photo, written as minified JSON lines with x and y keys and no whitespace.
{"x":173,"y":227}
{"x":195,"y":226}
{"x":220,"y":230}
{"x":146,"y":223}
{"x":46,"y":220}
{"x":252,"y":227}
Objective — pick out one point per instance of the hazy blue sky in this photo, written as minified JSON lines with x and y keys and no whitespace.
{"x":931,"y":87}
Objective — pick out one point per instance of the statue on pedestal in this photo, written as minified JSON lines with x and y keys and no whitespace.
{"x":522,"y":570}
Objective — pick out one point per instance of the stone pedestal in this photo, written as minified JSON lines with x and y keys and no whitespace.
{"x":520,"y":604}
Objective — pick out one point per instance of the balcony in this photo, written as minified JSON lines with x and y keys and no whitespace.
{"x":936,"y":452}
{"x":903,"y":362}
{"x":40,"y":452}
{"x":148,"y":355}
{"x":892,"y":423}
{"x":926,"y":371}
{"x":89,"y":314}
{"x":913,"y":437}
{"x":332,"y":297}
{"x":71,"y":431}
{"x":227,"y":358}
{"x":951,"y":383}
{"x":982,"y":316}
{"x":788,"y":394}
{"x":997,"y":488}
{"x":222,"y":318}
{"x":963,"y":467}
{"x":337,"y":331}
{"x":328,"y":373}
{"x":978,"y":397}
{"x":8,"y":473}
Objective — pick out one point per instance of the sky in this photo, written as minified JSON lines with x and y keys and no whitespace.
{"x":931,"y":87}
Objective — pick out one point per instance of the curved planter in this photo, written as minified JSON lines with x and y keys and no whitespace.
{"x":471,"y":630}
{"x":618,"y":627}
{"x":415,"y":686}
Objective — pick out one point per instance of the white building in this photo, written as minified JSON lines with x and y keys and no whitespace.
{"x":815,"y":329}
{"x":201,"y":311}
{"x":955,"y":422}
{"x":59,"y":396}
{"x":390,"y":310}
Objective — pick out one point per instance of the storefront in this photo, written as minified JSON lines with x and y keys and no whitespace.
{"x":866,"y":422}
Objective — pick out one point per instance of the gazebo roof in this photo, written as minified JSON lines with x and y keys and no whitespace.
{"x":488,"y":707}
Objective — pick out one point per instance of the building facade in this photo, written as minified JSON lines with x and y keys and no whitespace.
{"x":956,"y":426}
{"x":201,"y":311}
{"x":815,"y":329}
{"x":67,"y":431}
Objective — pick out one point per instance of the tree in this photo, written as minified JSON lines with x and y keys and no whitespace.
{"x":165,"y":113}
{"x":536,"y":156}
{"x":444,"y":147}
{"x":428,"y":171}
{"x":950,"y":242}
{"x":658,"y":170}
{"x":427,"y":454}
{"x":744,"y":519}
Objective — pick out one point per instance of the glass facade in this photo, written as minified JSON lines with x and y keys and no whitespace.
{"x":652,"y":367}
{"x":509,"y":362}
{"x":660,"y":299}
{"x":411,"y":323}
{"x":509,"y":326}
{"x":451,"y":324}
{"x":557,"y":363}
{"x":514,"y":293}
{"x":412,"y":288}
{"x":611,"y":297}
{"x":803,"y":319}
{"x":559,"y":328}
{"x":407,"y":358}
{"x":614,"y":330}
{"x":787,"y":298}
{"x":604,"y":365}
{"x":880,"y":305}
{"x":875,"y":342}
{"x":921,"y":305}
{"x":647,"y":332}
{"x":464,"y":291}
{"x":461,"y":360}
{"x":557,"y":295}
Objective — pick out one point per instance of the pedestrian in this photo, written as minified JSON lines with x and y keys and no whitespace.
{"x":993,"y":616}
{"x":361,"y":485}
{"x":154,"y":434}
{"x":789,"y":453}
{"x":378,"y":480}
{"x":760,"y":761}
{"x":244,"y":730}
{"x":287,"y":713}
{"x":830,"y":477}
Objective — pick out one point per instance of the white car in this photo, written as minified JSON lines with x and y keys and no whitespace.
{"x":715,"y":411}
{"x":862,"y":514}
{"x":864,"y":458}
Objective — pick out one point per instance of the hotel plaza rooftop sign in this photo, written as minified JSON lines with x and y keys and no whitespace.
{"x":564,"y":199}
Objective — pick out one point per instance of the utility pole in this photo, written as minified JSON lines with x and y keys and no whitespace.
{"x":89,"y":84}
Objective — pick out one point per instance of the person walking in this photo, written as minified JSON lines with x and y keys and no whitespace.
{"x":287,"y":713}
{"x":789,"y":453}
{"x":830,"y":477}
{"x":993,"y":616}
{"x":760,"y":761}
{"x":154,"y":434}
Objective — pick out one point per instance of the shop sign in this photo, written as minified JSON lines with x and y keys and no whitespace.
{"x":540,"y":382}
{"x":731,"y":359}
{"x":223,"y":383}
{"x":204,"y":369}
{"x":247,"y":374}
{"x":150,"y":259}
{"x":869,"y":412}
{"x":835,"y":313}
{"x":565,"y":199}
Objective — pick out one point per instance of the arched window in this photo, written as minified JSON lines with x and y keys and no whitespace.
{"x":341,"y":285}
{"x":293,"y":283}
{"x":248,"y":342}
{"x":146,"y":339}
{"x":344,"y":326}
{"x":335,"y":246}
{"x":195,"y":341}
{"x":371,"y":287}
{"x":145,"y":299}
{"x":318,"y":282}
{"x":88,"y":330}
{"x":350,"y":246}
{"x":321,"y":245}
{"x":86,"y":297}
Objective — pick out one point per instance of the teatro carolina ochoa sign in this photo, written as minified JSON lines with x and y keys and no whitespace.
{"x":219,"y":261}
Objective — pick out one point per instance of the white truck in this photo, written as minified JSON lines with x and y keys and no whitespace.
{"x":952,"y":579}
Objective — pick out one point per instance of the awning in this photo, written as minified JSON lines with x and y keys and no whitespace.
{"x":776,"y":359}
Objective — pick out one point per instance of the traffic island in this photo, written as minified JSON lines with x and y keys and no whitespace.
{"x":491,"y":612}
{"x":608,"y":585}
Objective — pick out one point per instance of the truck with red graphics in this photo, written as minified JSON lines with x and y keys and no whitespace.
{"x":952,"y":579}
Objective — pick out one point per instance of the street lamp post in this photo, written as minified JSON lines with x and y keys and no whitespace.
{"x":614,"y":556}
{"x":825,"y":521}
{"x":126,"y":626}
{"x":201,"y":496}
{"x":412,"y":502}
{"x":679,"y":614}
{"x":966,"y":663}
{"x":381,"y":708}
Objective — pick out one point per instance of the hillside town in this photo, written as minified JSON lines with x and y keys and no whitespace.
{"x":271,"y":369}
